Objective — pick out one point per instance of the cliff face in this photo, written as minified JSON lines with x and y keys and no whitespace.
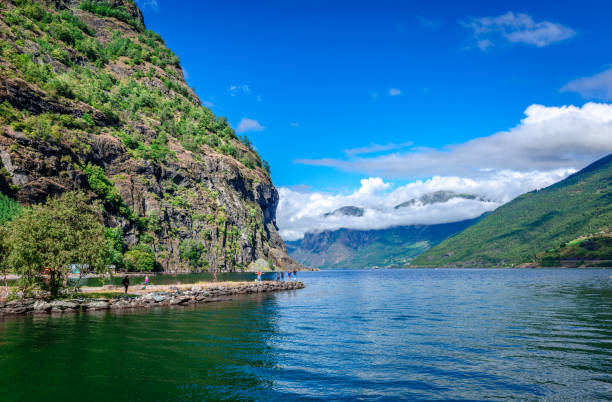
{"x":91,"y":100}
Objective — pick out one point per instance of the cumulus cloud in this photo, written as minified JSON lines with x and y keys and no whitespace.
{"x":546,"y":146}
{"x":300,"y":211}
{"x":247,"y":124}
{"x":394,"y":92}
{"x":516,"y":28}
{"x":238,"y":89}
{"x":547,"y":138}
{"x":373,"y":148}
{"x":598,"y":86}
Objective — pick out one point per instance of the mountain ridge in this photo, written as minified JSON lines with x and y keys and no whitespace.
{"x":522,"y":231}
{"x":91,"y":100}
{"x":353,"y":248}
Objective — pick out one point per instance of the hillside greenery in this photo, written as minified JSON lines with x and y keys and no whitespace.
{"x":9,"y":208}
{"x":88,"y":70}
{"x":534,"y":224}
{"x":587,"y":251}
{"x":60,"y":54}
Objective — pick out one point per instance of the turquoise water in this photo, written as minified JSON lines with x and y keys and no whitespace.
{"x":370,"y":335}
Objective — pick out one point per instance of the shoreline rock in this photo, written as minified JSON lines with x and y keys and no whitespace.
{"x":195,"y":295}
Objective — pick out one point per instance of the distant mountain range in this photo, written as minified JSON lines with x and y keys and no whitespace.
{"x":436,"y":197}
{"x":392,"y":247}
{"x":351,"y":248}
{"x":566,"y":224}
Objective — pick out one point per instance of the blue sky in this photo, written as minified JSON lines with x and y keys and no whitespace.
{"x":318,"y":78}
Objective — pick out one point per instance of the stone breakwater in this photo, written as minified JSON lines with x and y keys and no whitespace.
{"x":173,"y":297}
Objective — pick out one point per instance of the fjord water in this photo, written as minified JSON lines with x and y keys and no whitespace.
{"x":374,"y":335}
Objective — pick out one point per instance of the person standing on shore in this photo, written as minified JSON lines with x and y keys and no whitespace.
{"x":258,"y":276}
{"x":215,"y":275}
{"x":283,"y":276}
{"x":277,"y":277}
{"x":289,"y":276}
{"x":146,"y":280}
{"x":295,"y":275}
{"x":126,"y":283}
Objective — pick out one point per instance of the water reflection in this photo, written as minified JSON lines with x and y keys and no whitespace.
{"x":418,"y":334}
{"x":202,"y":352}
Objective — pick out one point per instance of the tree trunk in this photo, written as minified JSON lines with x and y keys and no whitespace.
{"x":76,"y":285}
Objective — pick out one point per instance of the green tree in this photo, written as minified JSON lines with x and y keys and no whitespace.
{"x":140,"y":258}
{"x":65,"y":230}
{"x":115,"y":244}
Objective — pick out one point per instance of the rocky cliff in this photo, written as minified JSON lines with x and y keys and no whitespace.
{"x":91,"y":100}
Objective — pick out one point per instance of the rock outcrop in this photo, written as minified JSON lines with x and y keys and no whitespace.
{"x":154,"y":299}
{"x":91,"y":100}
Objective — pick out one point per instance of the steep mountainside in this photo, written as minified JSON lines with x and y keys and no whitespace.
{"x":350,"y":248}
{"x":90,"y":99}
{"x":534,"y":227}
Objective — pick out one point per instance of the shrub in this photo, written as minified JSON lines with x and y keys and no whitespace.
{"x":191,"y":251}
{"x":9,"y":208}
{"x":140,"y":258}
{"x":107,"y":10}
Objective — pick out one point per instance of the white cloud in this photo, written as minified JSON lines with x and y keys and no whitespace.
{"x":237,"y":89}
{"x":373,"y":148}
{"x":208,"y":104}
{"x":484,"y":44}
{"x":546,"y":146}
{"x":516,"y":28}
{"x":247,"y":124}
{"x":394,"y":92}
{"x":372,"y":185}
{"x":598,"y":86}
{"x":294,"y":124}
{"x":148,"y":5}
{"x":547,"y":138}
{"x":301,"y":211}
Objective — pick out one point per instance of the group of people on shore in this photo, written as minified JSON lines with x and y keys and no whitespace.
{"x":280,"y":276}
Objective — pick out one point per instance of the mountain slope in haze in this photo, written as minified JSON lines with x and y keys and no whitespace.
{"x":91,"y":100}
{"x":525,"y":229}
{"x":437,"y":197}
{"x":351,"y":248}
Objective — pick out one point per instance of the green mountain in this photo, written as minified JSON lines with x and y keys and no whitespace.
{"x":91,"y":100}
{"x":351,"y":248}
{"x":535,"y":227}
